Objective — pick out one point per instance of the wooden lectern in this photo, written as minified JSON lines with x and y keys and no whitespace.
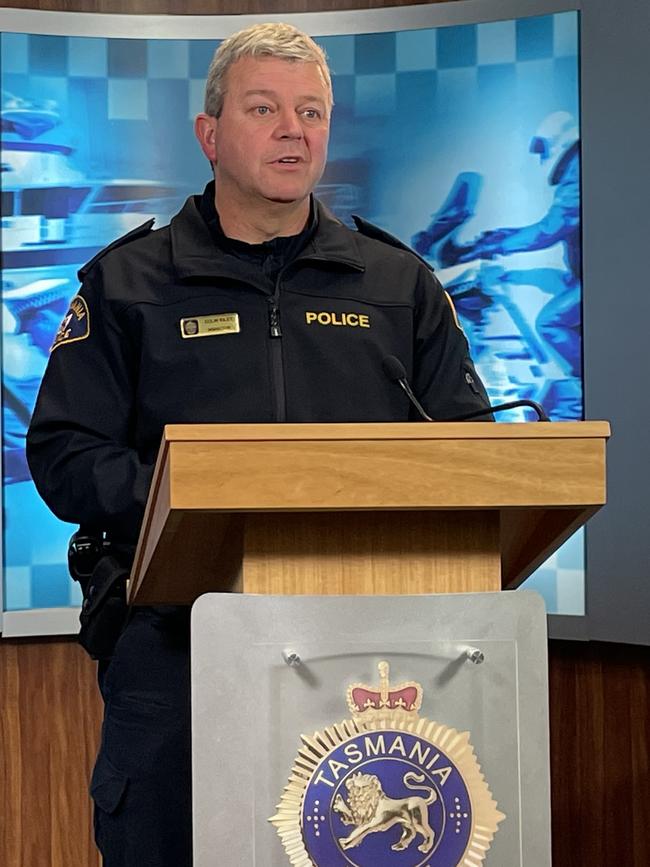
{"x":362,"y":508}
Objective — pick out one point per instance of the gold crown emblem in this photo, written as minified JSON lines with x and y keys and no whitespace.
{"x":337,"y":778}
{"x":384,"y":701}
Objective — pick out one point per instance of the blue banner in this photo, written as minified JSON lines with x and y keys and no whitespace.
{"x":463,"y":141}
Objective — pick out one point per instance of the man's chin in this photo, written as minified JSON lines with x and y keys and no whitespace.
{"x":286,"y":193}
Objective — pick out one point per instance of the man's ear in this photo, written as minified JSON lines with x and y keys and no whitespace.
{"x":205,"y":129}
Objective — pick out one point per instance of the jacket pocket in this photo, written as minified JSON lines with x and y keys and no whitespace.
{"x":107,"y":785}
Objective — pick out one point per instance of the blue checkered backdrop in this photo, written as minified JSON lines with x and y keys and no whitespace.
{"x":461,"y":140}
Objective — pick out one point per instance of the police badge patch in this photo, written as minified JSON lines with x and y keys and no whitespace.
{"x":75,"y":325}
{"x":387,"y":787}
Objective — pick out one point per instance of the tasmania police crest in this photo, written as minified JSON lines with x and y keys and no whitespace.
{"x":386,"y":787}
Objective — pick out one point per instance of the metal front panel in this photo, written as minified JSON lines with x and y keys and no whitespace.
{"x":250,"y":707}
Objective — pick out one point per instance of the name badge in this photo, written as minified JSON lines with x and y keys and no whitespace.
{"x":209,"y":326}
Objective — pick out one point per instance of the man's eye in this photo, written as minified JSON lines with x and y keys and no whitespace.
{"x":262,"y":109}
{"x":311,"y":114}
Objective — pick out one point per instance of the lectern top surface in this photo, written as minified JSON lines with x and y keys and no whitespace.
{"x":384,"y":430}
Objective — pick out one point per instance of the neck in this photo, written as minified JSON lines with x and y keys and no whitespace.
{"x":256,"y":223}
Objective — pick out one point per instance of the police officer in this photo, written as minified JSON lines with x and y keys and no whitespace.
{"x":254,"y":305}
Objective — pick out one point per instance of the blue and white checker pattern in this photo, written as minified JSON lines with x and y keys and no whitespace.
{"x":382,"y":64}
{"x":128,"y":107}
{"x":117,"y":97}
{"x":35,"y":547}
{"x":561,"y":581}
{"x":130,"y":68}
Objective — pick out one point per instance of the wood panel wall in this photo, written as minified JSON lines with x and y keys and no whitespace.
{"x":600,"y":748}
{"x":207,"y":7}
{"x":600,"y":736}
{"x":50,"y":716}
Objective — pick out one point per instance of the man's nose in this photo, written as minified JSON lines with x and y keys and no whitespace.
{"x":288,"y":125}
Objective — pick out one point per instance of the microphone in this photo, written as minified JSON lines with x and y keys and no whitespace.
{"x":395,"y":371}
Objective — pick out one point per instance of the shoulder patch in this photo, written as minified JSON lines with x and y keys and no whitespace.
{"x":372,"y":231}
{"x":75,"y":325}
{"x":453,"y":313}
{"x":138,"y":232}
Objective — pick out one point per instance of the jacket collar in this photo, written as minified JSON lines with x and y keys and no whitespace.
{"x":333,"y":241}
{"x":195,"y":254}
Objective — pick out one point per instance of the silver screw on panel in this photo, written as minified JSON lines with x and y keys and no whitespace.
{"x":474,"y":655}
{"x":291,"y":658}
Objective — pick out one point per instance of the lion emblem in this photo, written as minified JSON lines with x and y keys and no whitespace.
{"x":371,"y":810}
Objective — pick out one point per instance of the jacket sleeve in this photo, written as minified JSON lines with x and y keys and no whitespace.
{"x":80,"y":442}
{"x":445,"y":379}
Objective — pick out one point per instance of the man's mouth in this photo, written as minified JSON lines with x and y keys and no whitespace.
{"x":288,"y":160}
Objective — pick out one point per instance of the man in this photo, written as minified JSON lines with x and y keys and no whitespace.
{"x":254,"y":305}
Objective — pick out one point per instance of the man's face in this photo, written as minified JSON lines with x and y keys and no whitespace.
{"x":270,"y":142}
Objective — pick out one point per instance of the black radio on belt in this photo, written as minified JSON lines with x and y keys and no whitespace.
{"x":85,"y":550}
{"x":102,"y":572}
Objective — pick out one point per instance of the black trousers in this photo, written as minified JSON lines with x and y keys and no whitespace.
{"x":141,"y":784}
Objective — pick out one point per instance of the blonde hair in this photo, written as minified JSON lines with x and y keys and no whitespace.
{"x":261,"y":40}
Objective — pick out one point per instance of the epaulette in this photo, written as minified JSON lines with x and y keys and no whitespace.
{"x":138,"y":232}
{"x":372,"y":231}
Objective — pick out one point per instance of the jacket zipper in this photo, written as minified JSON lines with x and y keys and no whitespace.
{"x":275,"y":332}
{"x":277,"y":368}
{"x":274,"y":317}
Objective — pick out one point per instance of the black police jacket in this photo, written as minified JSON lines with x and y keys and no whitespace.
{"x":168,"y":328}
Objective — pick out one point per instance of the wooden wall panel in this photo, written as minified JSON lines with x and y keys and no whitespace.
{"x":600,"y":736}
{"x":207,"y":7}
{"x":49,"y":727}
{"x":600,"y":744}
